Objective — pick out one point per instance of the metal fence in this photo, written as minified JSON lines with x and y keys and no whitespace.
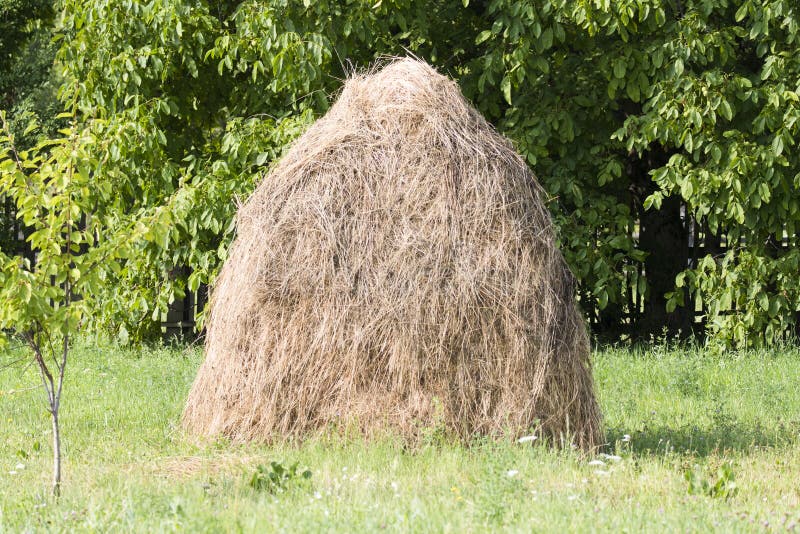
{"x":698,"y":242}
{"x":622,"y":321}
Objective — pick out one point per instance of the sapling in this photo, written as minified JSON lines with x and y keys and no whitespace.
{"x":79,"y":239}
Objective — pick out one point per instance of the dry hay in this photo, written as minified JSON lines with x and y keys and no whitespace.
{"x":183,"y":467}
{"x":396,"y":269}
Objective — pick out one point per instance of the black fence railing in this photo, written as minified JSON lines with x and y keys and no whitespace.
{"x":622,"y":320}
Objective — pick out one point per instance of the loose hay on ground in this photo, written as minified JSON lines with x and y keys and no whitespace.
{"x":397,"y":268}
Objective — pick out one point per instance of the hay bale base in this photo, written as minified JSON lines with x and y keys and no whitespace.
{"x":397,"y":268}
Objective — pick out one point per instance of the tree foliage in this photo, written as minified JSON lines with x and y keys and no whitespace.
{"x":649,"y":122}
{"x":27,"y":88}
{"x":80,"y":248}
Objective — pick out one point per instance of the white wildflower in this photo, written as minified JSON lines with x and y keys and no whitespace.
{"x":527,"y":439}
{"x":512,"y":473}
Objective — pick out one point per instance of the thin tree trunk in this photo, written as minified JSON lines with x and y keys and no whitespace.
{"x":53,"y":392}
{"x":56,"y":456}
{"x":57,"y":405}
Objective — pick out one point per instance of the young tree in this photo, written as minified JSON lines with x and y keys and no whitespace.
{"x":62,"y":196}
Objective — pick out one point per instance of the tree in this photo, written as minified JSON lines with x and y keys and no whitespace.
{"x":726,"y":109}
{"x":77,"y":250}
{"x":663,"y":119}
{"x":650,"y":122}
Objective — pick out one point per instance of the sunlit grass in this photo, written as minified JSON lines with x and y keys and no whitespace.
{"x":128,"y":467}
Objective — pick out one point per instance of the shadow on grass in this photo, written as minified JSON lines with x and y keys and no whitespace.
{"x":719,"y":436}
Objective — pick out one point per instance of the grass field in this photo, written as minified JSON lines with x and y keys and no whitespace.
{"x":731,"y":421}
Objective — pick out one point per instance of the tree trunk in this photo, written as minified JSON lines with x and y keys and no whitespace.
{"x":664,"y":237}
{"x":56,"y":454}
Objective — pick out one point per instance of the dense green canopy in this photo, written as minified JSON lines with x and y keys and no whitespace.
{"x":664,"y":131}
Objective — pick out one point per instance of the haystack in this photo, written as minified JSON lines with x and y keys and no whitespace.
{"x":396,"y":269}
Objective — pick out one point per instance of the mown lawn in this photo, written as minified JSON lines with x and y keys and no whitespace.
{"x":731,"y":419}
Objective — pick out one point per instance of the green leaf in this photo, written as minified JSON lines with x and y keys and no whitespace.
{"x":547,"y":38}
{"x":602,"y":299}
{"x":725,"y":109}
{"x":777,"y":144}
{"x":619,"y":68}
{"x":725,"y":300}
{"x":620,"y":242}
{"x":741,"y":13}
{"x":774,"y":307}
{"x":678,"y":66}
{"x":764,"y":192}
{"x":483,"y":36}
{"x":32,"y":125}
{"x":653,"y":201}
{"x":505,"y":87}
{"x":687,"y":189}
{"x":763,"y":301}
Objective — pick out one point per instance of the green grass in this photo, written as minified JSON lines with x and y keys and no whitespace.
{"x":129,"y":468}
